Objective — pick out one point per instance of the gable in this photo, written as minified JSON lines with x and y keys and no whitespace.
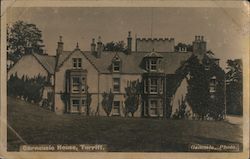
{"x":28,"y":66}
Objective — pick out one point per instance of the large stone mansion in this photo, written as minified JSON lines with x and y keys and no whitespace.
{"x":153,"y":63}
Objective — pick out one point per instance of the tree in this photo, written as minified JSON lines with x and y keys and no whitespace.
{"x":88,"y":100}
{"x":198,"y":88}
{"x":132,"y":97}
{"x":107,"y":102}
{"x":23,"y":38}
{"x":234,"y":90}
{"x":30,"y":89}
{"x":115,"y":46}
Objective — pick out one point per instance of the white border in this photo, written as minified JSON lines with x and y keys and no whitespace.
{"x":112,"y":3}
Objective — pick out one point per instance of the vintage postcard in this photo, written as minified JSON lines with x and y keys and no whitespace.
{"x":124,"y":79}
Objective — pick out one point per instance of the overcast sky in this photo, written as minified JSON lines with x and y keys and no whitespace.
{"x":223,"y":28}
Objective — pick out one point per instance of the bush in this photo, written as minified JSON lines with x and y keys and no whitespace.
{"x":29,"y":89}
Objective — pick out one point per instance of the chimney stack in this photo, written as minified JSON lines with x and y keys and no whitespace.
{"x":59,"y":49}
{"x":99,"y":47}
{"x":93,"y":45}
{"x":199,"y":46}
{"x":129,"y":42}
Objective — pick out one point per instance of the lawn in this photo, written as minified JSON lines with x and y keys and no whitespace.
{"x":38,"y":126}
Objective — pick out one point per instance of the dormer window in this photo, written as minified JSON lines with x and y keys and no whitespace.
{"x":77,"y":63}
{"x":116,"y":66}
{"x":153,"y":65}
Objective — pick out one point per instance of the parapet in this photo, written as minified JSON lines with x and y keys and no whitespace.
{"x":158,"y":44}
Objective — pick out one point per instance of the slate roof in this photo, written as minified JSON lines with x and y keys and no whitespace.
{"x":131,"y":64}
{"x":48,"y":62}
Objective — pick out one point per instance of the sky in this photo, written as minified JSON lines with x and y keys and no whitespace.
{"x":224,"y":29}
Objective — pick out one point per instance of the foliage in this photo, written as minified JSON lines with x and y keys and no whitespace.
{"x":183,"y":45}
{"x":88,"y":100}
{"x":115,"y":46}
{"x":23,"y":38}
{"x":198,"y":90}
{"x":234,"y":90}
{"x":30,"y":89}
{"x":181,"y":112}
{"x":204,"y":103}
{"x":107,"y":102}
{"x":132,"y":97}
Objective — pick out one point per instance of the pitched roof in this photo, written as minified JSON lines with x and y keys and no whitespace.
{"x":47,"y":61}
{"x":153,"y":54}
{"x":62,"y":57}
{"x":133,"y":63}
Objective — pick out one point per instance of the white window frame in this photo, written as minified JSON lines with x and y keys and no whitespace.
{"x":153,"y":107}
{"x":116,"y":64}
{"x":75,"y":84}
{"x":153,"y":88}
{"x":81,"y":85}
{"x":213,"y":82}
{"x":116,"y":83}
{"x":153,"y":63}
{"x":77,"y":63}
{"x":75,"y":105}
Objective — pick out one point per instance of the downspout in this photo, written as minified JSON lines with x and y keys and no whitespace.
{"x":98,"y":94}
{"x":225,"y":95}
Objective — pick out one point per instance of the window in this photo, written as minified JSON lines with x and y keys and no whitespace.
{"x":75,"y":105}
{"x":116,"y":108}
{"x":153,"y":64}
{"x":116,"y":84}
{"x":75,"y":84}
{"x":146,"y":86}
{"x":212,"y":84}
{"x":207,"y":66}
{"x":153,"y":86}
{"x":212,"y":89}
{"x":78,"y":84}
{"x":153,"y":107}
{"x":161,"y":87}
{"x":116,"y":66}
{"x":77,"y":63}
{"x":83,"y":84}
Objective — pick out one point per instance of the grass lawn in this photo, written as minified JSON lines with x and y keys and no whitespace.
{"x":38,"y":126}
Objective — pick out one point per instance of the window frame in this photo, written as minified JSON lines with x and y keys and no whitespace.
{"x":77,"y":63}
{"x":116,"y":83}
{"x":153,"y":107}
{"x":153,"y":86}
{"x":116,"y":64}
{"x":153,"y":64}
{"x":116,"y":107}
{"x":81,"y":85}
{"x":75,"y":105}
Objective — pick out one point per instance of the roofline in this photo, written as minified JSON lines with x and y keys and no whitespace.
{"x":42,"y":64}
{"x":83,"y":55}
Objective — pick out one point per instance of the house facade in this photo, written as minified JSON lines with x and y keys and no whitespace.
{"x":77,"y":75}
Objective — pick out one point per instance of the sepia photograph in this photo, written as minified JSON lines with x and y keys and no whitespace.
{"x":149,"y":79}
